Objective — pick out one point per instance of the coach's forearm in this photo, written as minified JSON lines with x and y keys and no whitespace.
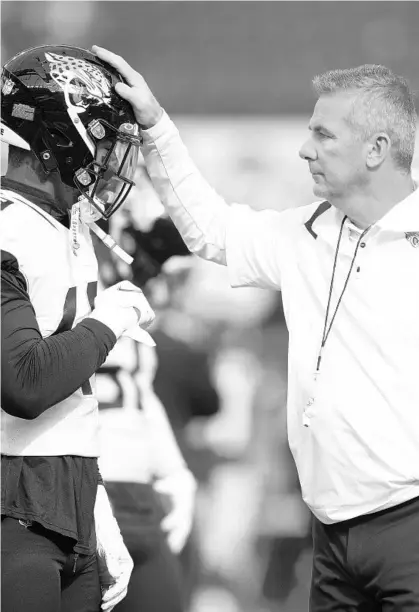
{"x":199,"y":213}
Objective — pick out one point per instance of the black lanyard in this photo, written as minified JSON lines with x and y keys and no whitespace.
{"x":326,"y":329}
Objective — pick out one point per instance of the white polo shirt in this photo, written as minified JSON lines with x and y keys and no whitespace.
{"x":356,"y":446}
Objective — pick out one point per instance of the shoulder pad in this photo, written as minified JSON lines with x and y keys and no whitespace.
{"x":10,"y":264}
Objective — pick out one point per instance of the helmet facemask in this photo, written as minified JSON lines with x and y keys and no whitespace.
{"x":106,"y":181}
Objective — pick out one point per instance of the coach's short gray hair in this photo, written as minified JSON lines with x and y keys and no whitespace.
{"x":383,"y":103}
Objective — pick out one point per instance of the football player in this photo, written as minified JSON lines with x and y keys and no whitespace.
{"x":73,"y":147}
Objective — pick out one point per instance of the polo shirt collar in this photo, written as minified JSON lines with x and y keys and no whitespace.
{"x":327,"y":223}
{"x":404,"y":216}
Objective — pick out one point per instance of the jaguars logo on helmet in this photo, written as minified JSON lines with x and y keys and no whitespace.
{"x":80,"y":80}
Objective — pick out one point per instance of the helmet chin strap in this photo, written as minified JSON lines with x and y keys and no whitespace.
{"x":75,"y":227}
{"x":83,"y":212}
{"x":88,"y":212}
{"x":111,"y":244}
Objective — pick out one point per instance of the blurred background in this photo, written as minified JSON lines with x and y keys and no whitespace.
{"x":235,"y":77}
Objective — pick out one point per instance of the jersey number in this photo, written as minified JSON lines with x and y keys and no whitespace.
{"x":69,"y":314}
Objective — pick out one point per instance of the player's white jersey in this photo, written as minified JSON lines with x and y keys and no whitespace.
{"x":61,"y":286}
{"x":124,"y":387}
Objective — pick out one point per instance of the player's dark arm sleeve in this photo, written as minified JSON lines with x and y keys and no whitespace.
{"x":38,"y":372}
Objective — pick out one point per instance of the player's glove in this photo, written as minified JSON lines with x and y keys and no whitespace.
{"x":123,"y":307}
{"x":114,"y":561}
{"x":179,"y":490}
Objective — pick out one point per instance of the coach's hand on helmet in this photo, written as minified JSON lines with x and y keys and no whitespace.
{"x":122,"y":307}
{"x":146,"y":108}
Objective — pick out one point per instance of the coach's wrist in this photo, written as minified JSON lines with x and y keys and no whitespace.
{"x":151,"y":117}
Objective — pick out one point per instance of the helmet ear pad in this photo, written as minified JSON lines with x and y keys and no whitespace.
{"x":58,"y":150}
{"x":67,"y":152}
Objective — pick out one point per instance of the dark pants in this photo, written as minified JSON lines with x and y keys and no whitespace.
{"x":156,"y":581}
{"x":40,"y":573}
{"x":368,"y":564}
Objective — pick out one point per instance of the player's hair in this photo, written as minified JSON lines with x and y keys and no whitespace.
{"x":383,"y":102}
{"x":17,"y":157}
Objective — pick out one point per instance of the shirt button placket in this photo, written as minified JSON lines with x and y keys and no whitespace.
{"x":358,"y":265}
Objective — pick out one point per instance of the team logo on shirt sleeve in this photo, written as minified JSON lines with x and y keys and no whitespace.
{"x":413,"y":238}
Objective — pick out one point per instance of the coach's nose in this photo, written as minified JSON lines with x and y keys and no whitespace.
{"x":308,"y":151}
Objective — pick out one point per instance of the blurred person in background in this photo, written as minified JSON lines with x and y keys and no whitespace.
{"x":149,"y":484}
{"x":346,"y":266}
{"x":73,"y":143}
{"x":283,"y":524}
{"x":233,"y":492}
{"x":185,"y":344}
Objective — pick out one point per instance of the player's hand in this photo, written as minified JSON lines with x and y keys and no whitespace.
{"x":180,"y":489}
{"x":114,"y":561}
{"x":146,"y":108}
{"x":122,"y":307}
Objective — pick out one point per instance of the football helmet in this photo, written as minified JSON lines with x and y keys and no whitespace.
{"x":59,"y":102}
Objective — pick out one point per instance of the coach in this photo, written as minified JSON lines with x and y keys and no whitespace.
{"x":348,"y":269}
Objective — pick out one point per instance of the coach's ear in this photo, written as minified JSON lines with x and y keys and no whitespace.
{"x":378,"y":149}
